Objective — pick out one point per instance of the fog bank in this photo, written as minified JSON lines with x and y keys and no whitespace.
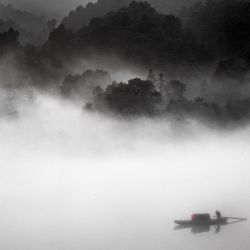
{"x":76,"y":180}
{"x":48,"y":8}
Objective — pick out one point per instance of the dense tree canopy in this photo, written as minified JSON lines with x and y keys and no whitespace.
{"x":138,"y":33}
{"x":84,"y":85}
{"x":9,"y":38}
{"x":25,"y":19}
{"x":212,"y":35}
{"x":136,"y":97}
{"x":82,"y":15}
{"x":222,"y":25}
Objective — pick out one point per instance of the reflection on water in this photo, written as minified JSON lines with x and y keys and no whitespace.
{"x":197,"y":229}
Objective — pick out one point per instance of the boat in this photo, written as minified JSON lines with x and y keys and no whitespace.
{"x":201,"y":223}
{"x":204,"y":222}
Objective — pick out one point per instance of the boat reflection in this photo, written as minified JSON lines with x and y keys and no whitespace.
{"x":197,"y":229}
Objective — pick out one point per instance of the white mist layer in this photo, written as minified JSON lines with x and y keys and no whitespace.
{"x":75,"y":180}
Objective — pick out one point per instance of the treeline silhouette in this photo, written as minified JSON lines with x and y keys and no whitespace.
{"x":26,"y":37}
{"x":8,"y":40}
{"x":32,"y":29}
{"x":210,"y":35}
{"x":206,"y":33}
{"x":84,"y":85}
{"x":140,"y":97}
{"x":223,"y":26}
{"x":82,"y":15}
{"x":23,"y":18}
{"x":137,"y":33}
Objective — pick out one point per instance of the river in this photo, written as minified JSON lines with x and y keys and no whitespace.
{"x":74,"y":182}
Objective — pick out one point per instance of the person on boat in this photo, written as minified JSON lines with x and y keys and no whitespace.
{"x":218,"y":214}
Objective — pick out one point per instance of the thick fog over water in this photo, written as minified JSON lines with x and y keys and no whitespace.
{"x":76,"y":180}
{"x":117,"y":119}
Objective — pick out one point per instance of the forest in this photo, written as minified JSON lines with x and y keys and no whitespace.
{"x":200,"y":51}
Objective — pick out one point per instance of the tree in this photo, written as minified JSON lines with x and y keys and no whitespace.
{"x":137,"y":97}
{"x":51,"y":24}
{"x":9,"y":38}
{"x":176,"y":89}
{"x":223,"y":26}
{"x":138,"y":33}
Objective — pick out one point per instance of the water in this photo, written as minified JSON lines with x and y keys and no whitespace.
{"x":77,"y":181}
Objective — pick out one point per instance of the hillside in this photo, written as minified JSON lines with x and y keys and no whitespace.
{"x":22,"y":18}
{"x":138,"y":33}
{"x":82,"y":15}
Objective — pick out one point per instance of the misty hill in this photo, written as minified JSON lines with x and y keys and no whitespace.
{"x":138,"y":33}
{"x":139,"y":97}
{"x":25,"y":36}
{"x":144,"y":97}
{"x":222,"y":25}
{"x":82,"y":86}
{"x":6,"y":25}
{"x":82,"y":15}
{"x":32,"y":29}
{"x":22,"y":18}
{"x":9,"y":39}
{"x":9,"y":42}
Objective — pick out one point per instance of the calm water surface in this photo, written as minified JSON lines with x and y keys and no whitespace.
{"x":118,"y":188}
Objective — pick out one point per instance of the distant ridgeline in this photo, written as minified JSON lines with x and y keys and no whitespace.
{"x":8,"y":40}
{"x":137,"y":33}
{"x":32,"y":29}
{"x":209,"y":32}
{"x":222,"y":25}
{"x":214,"y":36}
{"x":212,"y":32}
{"x":82,"y":15}
{"x":22,"y":18}
{"x":24,"y":35}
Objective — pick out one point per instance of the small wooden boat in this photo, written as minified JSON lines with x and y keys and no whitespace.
{"x":201,"y":223}
{"x":206,"y":222}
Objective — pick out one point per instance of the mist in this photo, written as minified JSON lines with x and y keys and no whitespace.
{"x":51,"y":8}
{"x":60,"y":8}
{"x":112,"y":131}
{"x":71,"y":179}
